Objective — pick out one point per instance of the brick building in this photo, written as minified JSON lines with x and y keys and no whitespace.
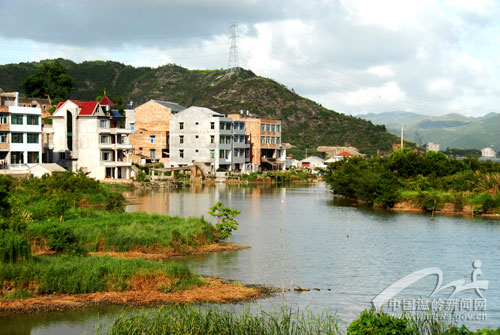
{"x":267,"y":151}
{"x":151,"y":130}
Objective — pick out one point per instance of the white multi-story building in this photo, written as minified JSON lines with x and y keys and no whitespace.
{"x":93,"y":138}
{"x":201,"y":135}
{"x":488,"y":152}
{"x":20,"y":133}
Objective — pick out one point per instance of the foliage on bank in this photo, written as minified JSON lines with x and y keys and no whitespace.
{"x":428,"y":182}
{"x":214,"y":320}
{"x":75,"y":275}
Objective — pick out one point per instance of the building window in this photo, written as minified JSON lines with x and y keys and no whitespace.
{"x":181,"y":125}
{"x":16,"y":138}
{"x":4,"y":119}
{"x":222,"y":154}
{"x":152,"y":139}
{"x":278,"y":128}
{"x":33,"y":138}
{"x":236,"y":152}
{"x":106,"y":156}
{"x":212,"y":153}
{"x":262,"y":127}
{"x":105,"y":139}
{"x":228,"y":126}
{"x":33,"y":157}
{"x":236,"y":138}
{"x":268,"y":139}
{"x":3,"y":137}
{"x":212,"y":125}
{"x":103,"y":124}
{"x":32,"y":120}
{"x":181,"y":139}
{"x":262,"y":140}
{"x":132,"y":126}
{"x":278,"y":140}
{"x":212,"y":139}
{"x":16,"y":157}
{"x":152,"y":153}
{"x":273,"y":140}
{"x":268,"y":127}
{"x":273,"y":128}
{"x":181,"y":153}
{"x":242,"y":139}
{"x":16,"y":119}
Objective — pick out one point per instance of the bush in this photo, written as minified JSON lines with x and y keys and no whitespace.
{"x":373,"y":323}
{"x":58,"y":237}
{"x":13,"y":247}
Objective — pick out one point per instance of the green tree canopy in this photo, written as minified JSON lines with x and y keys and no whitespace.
{"x":49,"y":81}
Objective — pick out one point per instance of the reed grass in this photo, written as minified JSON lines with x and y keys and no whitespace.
{"x":75,"y":275}
{"x":104,"y":231}
{"x":190,"y":320}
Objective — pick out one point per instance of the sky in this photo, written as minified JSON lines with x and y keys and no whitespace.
{"x":352,"y":56}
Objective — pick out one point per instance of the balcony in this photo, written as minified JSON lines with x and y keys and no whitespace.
{"x":116,"y":163}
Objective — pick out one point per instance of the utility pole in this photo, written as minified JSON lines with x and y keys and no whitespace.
{"x":402,"y":144}
{"x":233,"y":65}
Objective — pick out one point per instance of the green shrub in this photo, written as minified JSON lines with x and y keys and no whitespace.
{"x":13,"y":247}
{"x":379,"y":323}
{"x":57,"y":236}
{"x":226,"y":219}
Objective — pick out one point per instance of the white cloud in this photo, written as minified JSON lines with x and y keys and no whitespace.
{"x":441,"y":86}
{"x":381,"y":71}
{"x":389,"y":92}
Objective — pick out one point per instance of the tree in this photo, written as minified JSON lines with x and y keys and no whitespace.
{"x":50,"y":81}
{"x":226,"y":222}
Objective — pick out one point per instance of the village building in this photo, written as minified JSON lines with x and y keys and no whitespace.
{"x":151,"y":131}
{"x":267,"y":150}
{"x":201,"y":135}
{"x":488,"y":152}
{"x":313,"y":162}
{"x":20,"y":133}
{"x":339,"y":156}
{"x":91,"y":137}
{"x":431,"y":147}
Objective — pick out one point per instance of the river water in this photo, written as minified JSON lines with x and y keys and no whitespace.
{"x":349,"y":253}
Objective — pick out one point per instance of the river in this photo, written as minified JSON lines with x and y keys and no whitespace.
{"x":349,"y":253}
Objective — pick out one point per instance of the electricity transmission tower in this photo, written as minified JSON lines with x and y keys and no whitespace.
{"x":233,"y":65}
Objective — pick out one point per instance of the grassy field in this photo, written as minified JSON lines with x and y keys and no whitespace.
{"x":191,"y":320}
{"x":105,"y":231}
{"x":76,"y":275}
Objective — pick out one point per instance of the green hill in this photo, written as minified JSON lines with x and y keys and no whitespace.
{"x":306,"y":124}
{"x":449,"y":131}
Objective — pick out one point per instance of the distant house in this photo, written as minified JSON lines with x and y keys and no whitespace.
{"x":488,"y":152}
{"x":339,"y":156}
{"x":313,"y":162}
{"x":47,"y":168}
{"x":431,"y":147}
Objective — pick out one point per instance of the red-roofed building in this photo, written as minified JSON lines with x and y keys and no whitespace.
{"x":344,"y":154}
{"x":105,"y":101}
{"x":92,"y":138}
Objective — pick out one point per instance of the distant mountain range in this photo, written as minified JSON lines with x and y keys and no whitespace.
{"x":305,"y":123}
{"x":449,"y":131}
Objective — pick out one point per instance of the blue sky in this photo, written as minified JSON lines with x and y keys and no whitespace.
{"x":356,"y":56}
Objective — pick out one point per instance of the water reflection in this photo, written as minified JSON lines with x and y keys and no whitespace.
{"x":349,"y":253}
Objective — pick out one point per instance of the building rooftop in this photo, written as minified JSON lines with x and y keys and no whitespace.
{"x":174,"y":107}
{"x":203,"y":110}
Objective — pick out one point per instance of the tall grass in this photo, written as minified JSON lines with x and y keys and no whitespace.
{"x":14,"y":247}
{"x":190,"y":319}
{"x":75,"y":275}
{"x":104,"y":231}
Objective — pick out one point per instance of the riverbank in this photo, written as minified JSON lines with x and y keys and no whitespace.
{"x":143,"y":293}
{"x":203,"y":249}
